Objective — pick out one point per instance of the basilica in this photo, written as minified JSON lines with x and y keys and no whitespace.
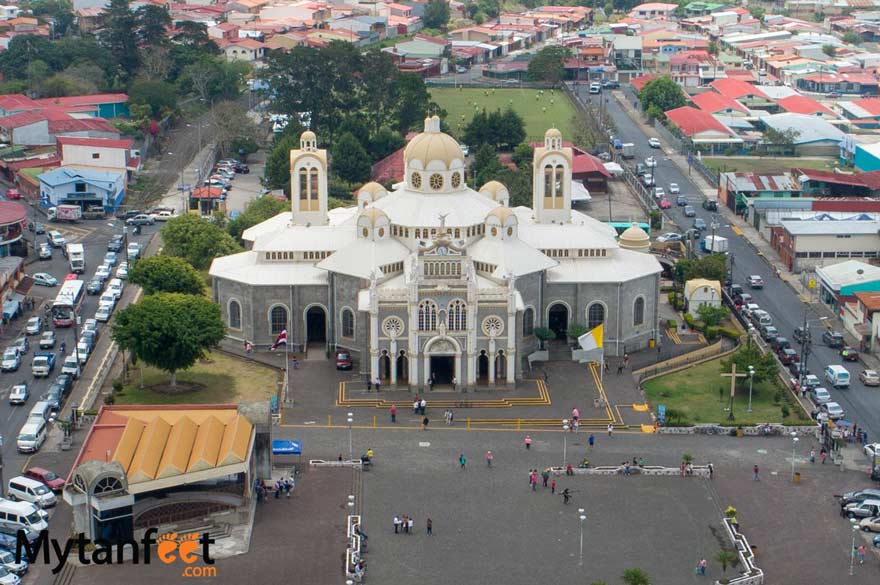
{"x":434,"y":280}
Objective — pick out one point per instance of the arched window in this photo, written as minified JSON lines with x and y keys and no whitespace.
{"x":548,"y":181}
{"x":457,"y":320}
{"x":313,"y":190}
{"x":278,"y":319}
{"x":234,"y":315}
{"x":559,"y":175}
{"x":347,"y":323}
{"x":595,"y":315}
{"x":639,"y":311}
{"x":303,"y":184}
{"x":427,"y":316}
{"x":528,"y":322}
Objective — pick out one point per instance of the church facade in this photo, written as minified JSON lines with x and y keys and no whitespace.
{"x":434,"y":280}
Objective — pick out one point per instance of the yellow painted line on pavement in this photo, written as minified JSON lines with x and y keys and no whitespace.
{"x":460,"y":425}
{"x":648,"y":429}
{"x":736,"y":230}
{"x":640,"y":407}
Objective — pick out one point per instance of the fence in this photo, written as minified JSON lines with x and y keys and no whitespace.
{"x":689,"y":359}
{"x":670,"y":138}
{"x":711,"y":175}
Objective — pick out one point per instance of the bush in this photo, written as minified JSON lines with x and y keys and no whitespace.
{"x":785,"y":411}
{"x":667,"y":288}
{"x":672,"y":323}
{"x":689,"y":319}
{"x":778,"y":397}
{"x":728,"y":333}
{"x":711,"y":332}
{"x":117,"y":385}
{"x":109,"y":399}
{"x":671,"y":297}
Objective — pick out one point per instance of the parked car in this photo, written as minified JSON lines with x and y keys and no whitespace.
{"x":859,"y":496}
{"x":610,"y":84}
{"x":111,"y":258}
{"x":115,"y":245}
{"x":659,"y":192}
{"x":870,"y":524}
{"x":710,"y":205}
{"x":865,"y":509}
{"x":689,"y":211}
{"x":103,"y":313}
{"x":872,"y":448}
{"x":11,"y":360}
{"x":343,"y":360}
{"x":800,"y":334}
{"x":142,"y":219}
{"x":122,"y":271}
{"x":748,"y":309}
{"x":849,"y":354}
{"x":669,"y":237}
{"x":681,"y":200}
{"x":869,"y":378}
{"x":124,"y":215}
{"x":36,"y":227}
{"x":47,"y":340}
{"x":673,"y":189}
{"x":755,"y":281}
{"x":44,"y":279}
{"x":19,"y":394}
{"x":769,"y":332}
{"x":95,"y":286}
{"x":164,"y":215}
{"x":65,"y":381}
{"x":654,"y":142}
{"x":133,"y":251}
{"x":832,"y":338}
{"x":7,"y":561}
{"x":7,"y":577}
{"x":811,"y":381}
{"x":102,"y":273}
{"x":45,"y":252}
{"x":797,"y":370}
{"x":23,"y":344}
{"x":820,"y":395}
{"x":788,"y":356}
{"x":780,"y":343}
{"x":46,"y":477}
{"x":699,"y":224}
{"x":664,"y":203}
{"x":648,"y":179}
{"x":651,"y":162}
{"x":834,"y":410}
{"x":34,"y":326}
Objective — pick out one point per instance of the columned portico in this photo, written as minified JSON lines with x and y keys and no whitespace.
{"x":441,"y":346}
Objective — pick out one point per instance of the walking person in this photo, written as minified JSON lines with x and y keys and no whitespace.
{"x":861,"y":552}
{"x":553,"y":487}
{"x":451,"y":416}
{"x":378,"y":384}
{"x":812,"y":455}
{"x":591,"y":441}
{"x":423,"y":404}
{"x":430,"y":526}
{"x":369,"y":383}
{"x":397,"y":524}
{"x":533,"y":481}
{"x":619,"y":368}
{"x":409,"y":525}
{"x":701,"y":566}
{"x":393,"y":412}
{"x":610,"y":429}
{"x":528,"y":442}
{"x":425,"y":422}
{"x":545,"y":476}
{"x":405,"y":524}
{"x":575,"y":414}
{"x":756,"y":477}
{"x":625,"y":360}
{"x":823,"y":454}
{"x":462,"y":461}
{"x":489,"y":458}
{"x":711,"y":469}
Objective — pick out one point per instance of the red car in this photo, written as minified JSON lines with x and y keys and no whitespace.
{"x":48,"y":478}
{"x":13,"y":194}
{"x":849,"y":354}
{"x":71,"y":276}
{"x":664,"y":203}
{"x":343,"y":360}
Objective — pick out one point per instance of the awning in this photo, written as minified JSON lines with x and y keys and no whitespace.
{"x":286,"y":447}
{"x":10,"y":309}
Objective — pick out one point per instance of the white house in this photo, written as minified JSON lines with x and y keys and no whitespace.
{"x":99,"y":154}
{"x":700,"y":292}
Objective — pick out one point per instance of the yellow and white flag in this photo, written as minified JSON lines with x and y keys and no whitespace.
{"x":592,"y":339}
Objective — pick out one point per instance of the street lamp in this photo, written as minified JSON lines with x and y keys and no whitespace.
{"x":794,"y":442}
{"x":852,"y":556}
{"x":582,"y":517}
{"x":751,"y":375}
{"x":751,"y":331}
{"x":806,"y":342}
{"x":350,"y":421}
{"x":565,"y":428}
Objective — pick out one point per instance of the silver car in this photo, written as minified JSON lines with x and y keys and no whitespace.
{"x":820,"y":395}
{"x":34,"y":326}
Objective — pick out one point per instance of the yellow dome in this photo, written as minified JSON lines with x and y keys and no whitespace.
{"x":434,"y":146}
{"x":553,"y":133}
{"x":634,"y":238}
{"x":493,"y":187}
{"x":372,"y":188}
{"x":502,"y":213}
{"x":308,"y":135}
{"x":373,"y":214}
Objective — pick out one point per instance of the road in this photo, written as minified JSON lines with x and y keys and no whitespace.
{"x":94,"y":234}
{"x":862,"y":404}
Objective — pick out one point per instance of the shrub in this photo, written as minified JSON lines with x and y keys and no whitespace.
{"x":728,"y":333}
{"x":689,"y":319}
{"x":711,"y":332}
{"x":778,"y":397}
{"x":671,"y":297}
{"x":117,"y":385}
{"x":785,"y":411}
{"x":109,"y":399}
{"x":672,"y":323}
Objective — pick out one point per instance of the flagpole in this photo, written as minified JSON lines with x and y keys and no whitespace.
{"x":602,"y":370}
{"x":287,"y":395}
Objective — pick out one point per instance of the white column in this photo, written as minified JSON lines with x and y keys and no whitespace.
{"x":492,"y":361}
{"x":374,"y":346}
{"x":426,"y":370}
{"x":393,"y":358}
{"x":472,"y":368}
{"x":458,"y":359}
{"x":413,"y":352}
{"x":511,"y":346}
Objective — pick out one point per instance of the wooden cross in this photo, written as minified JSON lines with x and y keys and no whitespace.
{"x":733,"y":376}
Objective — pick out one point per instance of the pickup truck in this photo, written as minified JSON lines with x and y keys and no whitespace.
{"x":43,"y":364}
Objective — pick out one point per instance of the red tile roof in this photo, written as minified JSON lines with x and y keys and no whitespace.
{"x":587,"y":163}
{"x":713,"y":103}
{"x":639,"y":82}
{"x":735,"y":88}
{"x":801,"y":104}
{"x":96,"y":142}
{"x":685,"y":56}
{"x":870,"y":105}
{"x":207,"y":192}
{"x":389,"y":168}
{"x":81,"y":125}
{"x":83,"y":100}
{"x":16,"y":101}
{"x":21,"y":119}
{"x":692,"y":121}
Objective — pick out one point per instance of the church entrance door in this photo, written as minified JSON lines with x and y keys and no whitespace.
{"x":558,"y":321}
{"x":316,"y":325}
{"x":443,"y":369}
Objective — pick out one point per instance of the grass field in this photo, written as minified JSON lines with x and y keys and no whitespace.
{"x":767,"y":165}
{"x":540,"y":111}
{"x":694,"y":392}
{"x":224,"y":379}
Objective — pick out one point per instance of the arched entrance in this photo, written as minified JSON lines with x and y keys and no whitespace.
{"x":483,"y":367}
{"x":442,"y":361}
{"x":316,"y":325}
{"x":384,"y":366}
{"x":402,"y":367}
{"x":557,"y":319}
{"x":500,"y":366}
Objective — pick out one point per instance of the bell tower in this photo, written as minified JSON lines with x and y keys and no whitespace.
{"x":551,"y":188}
{"x":308,"y":182}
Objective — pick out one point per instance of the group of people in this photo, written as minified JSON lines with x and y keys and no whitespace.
{"x":283,"y":485}
{"x":406,"y":525}
{"x":419,"y":405}
{"x":377,"y":382}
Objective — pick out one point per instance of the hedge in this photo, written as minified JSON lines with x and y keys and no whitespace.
{"x":672,"y":323}
{"x":728,"y":333}
{"x":689,"y":319}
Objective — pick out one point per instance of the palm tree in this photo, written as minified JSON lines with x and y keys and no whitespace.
{"x":636,"y":577}
{"x":726,"y":558}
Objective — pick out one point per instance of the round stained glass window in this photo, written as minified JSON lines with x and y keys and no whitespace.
{"x":436,"y":181}
{"x":456,"y":180}
{"x":381,"y":232}
{"x":510,"y":231}
{"x":494,"y":231}
{"x":416,"y":180}
{"x":365,"y":232}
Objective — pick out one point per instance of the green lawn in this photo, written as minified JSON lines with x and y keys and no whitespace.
{"x":224,"y":380}
{"x":540,"y":111}
{"x":695,"y":393}
{"x":767,"y":164}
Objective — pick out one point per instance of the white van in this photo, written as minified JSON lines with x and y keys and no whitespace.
{"x":837,"y":376}
{"x":40,"y":412}
{"x":762,"y":318}
{"x":21,"y":516}
{"x":30,"y":490}
{"x":31,"y":436}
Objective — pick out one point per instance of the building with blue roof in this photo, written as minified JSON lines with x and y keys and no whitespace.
{"x":83,"y":187}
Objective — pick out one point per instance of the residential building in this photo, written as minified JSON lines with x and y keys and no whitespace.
{"x":424,"y":47}
{"x":700,"y":292}
{"x":812,"y":135}
{"x":865,"y":113}
{"x":248,"y":50}
{"x":842,"y":83}
{"x":626,"y":55}
{"x":105,"y":105}
{"x":838,"y":283}
{"x":99,"y":153}
{"x":803,"y":245}
{"x":653,"y":11}
{"x":736,"y":189}
{"x":692,"y":69}
{"x":702,"y":129}
{"x":83,"y":187}
{"x":862,"y":319}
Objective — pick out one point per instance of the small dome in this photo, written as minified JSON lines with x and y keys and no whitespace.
{"x":635,"y":238}
{"x":502,"y":213}
{"x":308,"y":135}
{"x":553,"y":133}
{"x":433,"y":146}
{"x":372,"y":188}
{"x":493,"y":187}
{"x":373,"y":214}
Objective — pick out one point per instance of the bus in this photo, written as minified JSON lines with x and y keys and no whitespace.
{"x":67,"y":303}
{"x":622,"y":226}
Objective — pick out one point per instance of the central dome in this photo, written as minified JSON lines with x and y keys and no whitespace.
{"x":433,"y":149}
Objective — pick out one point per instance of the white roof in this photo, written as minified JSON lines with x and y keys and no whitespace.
{"x":822,"y":228}
{"x":245,"y":267}
{"x":608,"y":269}
{"x":777,"y":92}
{"x":272,"y":224}
{"x":461,"y":208}
{"x":856,"y":110}
{"x":582,"y":232}
{"x":512,"y":256}
{"x":363,"y":258}
{"x":810,"y":128}
{"x":579,"y":192}
{"x":303,"y":238}
{"x":846,"y":273}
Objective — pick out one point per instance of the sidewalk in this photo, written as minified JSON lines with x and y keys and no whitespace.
{"x":750,"y":235}
{"x":193,"y":174}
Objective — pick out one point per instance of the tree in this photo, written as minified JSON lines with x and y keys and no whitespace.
{"x":350,"y":161}
{"x":384,"y":142}
{"x":575,"y":330}
{"x":712,"y":316}
{"x":169,"y":330}
{"x":436,"y":14}
{"x":549,"y":64}
{"x":780,"y":140}
{"x":829,"y":49}
{"x":485,"y":164}
{"x":711,"y":267}
{"x":726,"y":558}
{"x":523,"y":155}
{"x":277,"y":168}
{"x":257,"y":211}
{"x":167,"y":274}
{"x":379,"y":77}
{"x":24,"y":50}
{"x":661,"y":95}
{"x":118,"y":36}
{"x":160,"y":96}
{"x":195,"y":35}
{"x":750,"y":355}
{"x":412,"y":101}
{"x":512,"y":128}
{"x":232,"y":124}
{"x":59,"y":12}
{"x":851,"y":37}
{"x":636,"y":577}
{"x":757,"y":12}
{"x":196,"y":240}
{"x":544,"y":334}
{"x":152,"y":23}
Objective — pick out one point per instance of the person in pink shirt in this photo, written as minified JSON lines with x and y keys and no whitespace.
{"x":575,"y":414}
